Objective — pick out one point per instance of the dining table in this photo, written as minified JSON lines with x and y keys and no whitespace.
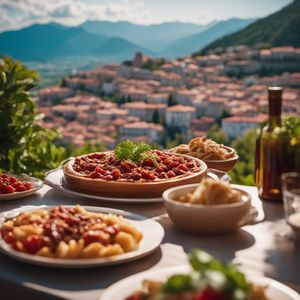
{"x":262,"y":248}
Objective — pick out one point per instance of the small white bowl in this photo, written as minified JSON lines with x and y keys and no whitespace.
{"x":205,"y":219}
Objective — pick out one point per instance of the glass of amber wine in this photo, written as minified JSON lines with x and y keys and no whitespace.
{"x":291,"y":199}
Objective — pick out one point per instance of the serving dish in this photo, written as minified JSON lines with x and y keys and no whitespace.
{"x":123,"y":288}
{"x":142,"y":187}
{"x":55,"y":178}
{"x":147,"y":245}
{"x":36,"y":185}
{"x":216,"y":156}
{"x":206,"y":219}
{"x":224,"y":165}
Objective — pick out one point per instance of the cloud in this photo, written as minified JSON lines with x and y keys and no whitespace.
{"x":19,"y":13}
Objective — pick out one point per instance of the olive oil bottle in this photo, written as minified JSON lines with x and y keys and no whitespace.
{"x":273,"y":155}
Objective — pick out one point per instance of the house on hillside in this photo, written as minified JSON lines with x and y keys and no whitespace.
{"x":236,"y":126}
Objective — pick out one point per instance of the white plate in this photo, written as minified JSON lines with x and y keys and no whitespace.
{"x":148,"y":244}
{"x":37,"y":184}
{"x":125,"y":287}
{"x":55,"y":179}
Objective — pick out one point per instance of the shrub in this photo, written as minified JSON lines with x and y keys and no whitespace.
{"x":25,"y":147}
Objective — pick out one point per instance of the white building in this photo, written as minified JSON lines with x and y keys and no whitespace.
{"x":281,"y":53}
{"x":215,"y":107}
{"x":236,"y":126}
{"x":180,"y":116}
{"x":145,"y":111}
{"x":110,"y":114}
{"x":132,"y":131}
{"x":54,"y":95}
{"x":157,"y":98}
{"x":185,"y":96}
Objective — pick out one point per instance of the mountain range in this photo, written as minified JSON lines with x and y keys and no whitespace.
{"x":116,"y":41}
{"x":192,"y":43}
{"x":52,"y":41}
{"x":153,"y":37}
{"x":279,"y":29}
{"x":112,"y":40}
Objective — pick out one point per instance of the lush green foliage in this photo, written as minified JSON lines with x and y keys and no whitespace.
{"x":154,"y":64}
{"x":25,"y":147}
{"x":156,"y":117}
{"x":72,"y":150}
{"x":278,"y":29}
{"x":243,"y":172}
{"x":171,"y":100}
{"x":218,"y":135}
{"x":292,"y":127}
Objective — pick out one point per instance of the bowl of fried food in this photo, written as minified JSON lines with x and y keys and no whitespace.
{"x":216,"y":156}
{"x":211,"y":207}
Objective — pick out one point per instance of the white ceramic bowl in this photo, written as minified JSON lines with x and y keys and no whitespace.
{"x":204,"y":219}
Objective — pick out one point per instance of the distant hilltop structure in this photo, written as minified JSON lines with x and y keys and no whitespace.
{"x":139,"y":60}
{"x":146,"y":62}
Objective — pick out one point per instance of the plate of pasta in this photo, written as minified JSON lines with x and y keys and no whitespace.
{"x":76,"y":236}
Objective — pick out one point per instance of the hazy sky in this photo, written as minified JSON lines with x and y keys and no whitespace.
{"x":19,"y":13}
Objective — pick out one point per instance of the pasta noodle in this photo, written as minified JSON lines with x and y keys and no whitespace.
{"x":70,"y":233}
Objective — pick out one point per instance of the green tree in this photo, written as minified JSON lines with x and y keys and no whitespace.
{"x":178,"y":139}
{"x":217,"y":134}
{"x":156,"y":117}
{"x":25,"y":147}
{"x":243,"y":172}
{"x":63,"y":82}
{"x":89,"y":147}
{"x":171,"y":100}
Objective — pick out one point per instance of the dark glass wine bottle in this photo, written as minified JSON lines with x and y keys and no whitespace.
{"x":272,"y":150}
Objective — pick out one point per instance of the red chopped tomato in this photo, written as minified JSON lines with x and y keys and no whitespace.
{"x":171,"y":174}
{"x":13,"y":179}
{"x":91,"y":167}
{"x":107,"y":167}
{"x":99,"y":170}
{"x":183,"y":167}
{"x":148,"y":162}
{"x":112,"y":230}
{"x":210,"y":294}
{"x":173,"y":164}
{"x":33,"y":243}
{"x":9,"y":238}
{"x":7,"y":189}
{"x":136,"y":176}
{"x":95,"y":175}
{"x":178,"y":171}
{"x":28,"y":185}
{"x":116,"y":174}
{"x":94,"y":236}
{"x":20,"y":187}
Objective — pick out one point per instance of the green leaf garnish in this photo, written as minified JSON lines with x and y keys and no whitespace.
{"x":178,"y":283}
{"x":235,"y":280}
{"x":133,"y":151}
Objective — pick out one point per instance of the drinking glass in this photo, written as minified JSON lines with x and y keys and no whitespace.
{"x":291,"y":200}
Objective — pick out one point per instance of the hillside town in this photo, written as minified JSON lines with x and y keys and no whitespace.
{"x":145,"y":98}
